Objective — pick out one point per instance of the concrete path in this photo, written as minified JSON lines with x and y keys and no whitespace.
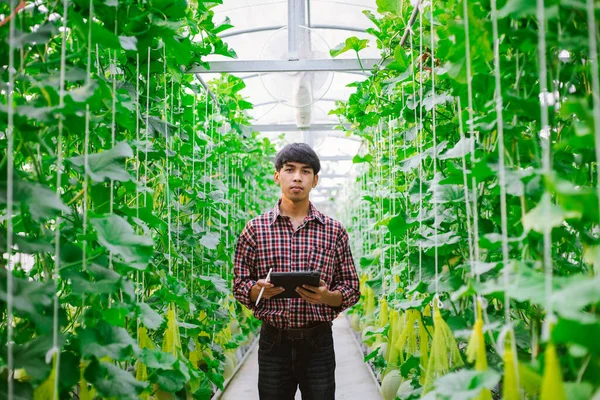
{"x":353,"y":378}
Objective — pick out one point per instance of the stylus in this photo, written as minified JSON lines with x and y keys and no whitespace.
{"x":263,"y":288}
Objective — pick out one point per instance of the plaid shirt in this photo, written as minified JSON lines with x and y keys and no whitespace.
{"x":319,"y":243}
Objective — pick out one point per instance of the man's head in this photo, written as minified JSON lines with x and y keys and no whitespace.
{"x":296,"y":169}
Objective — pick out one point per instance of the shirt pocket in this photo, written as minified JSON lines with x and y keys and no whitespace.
{"x":322,"y":260}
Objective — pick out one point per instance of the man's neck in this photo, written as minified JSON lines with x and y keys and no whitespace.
{"x":294,"y":210}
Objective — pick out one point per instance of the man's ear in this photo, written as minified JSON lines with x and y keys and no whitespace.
{"x":276,"y":177}
{"x":316,"y":180}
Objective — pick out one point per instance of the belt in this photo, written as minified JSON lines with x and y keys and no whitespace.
{"x":299,"y":333}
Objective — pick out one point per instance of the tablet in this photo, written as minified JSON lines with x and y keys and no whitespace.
{"x":291,"y":280}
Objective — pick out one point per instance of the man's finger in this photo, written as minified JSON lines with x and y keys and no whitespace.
{"x":311,"y":288}
{"x":306,"y":293}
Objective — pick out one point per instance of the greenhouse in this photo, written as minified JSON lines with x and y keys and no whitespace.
{"x":157,"y":161}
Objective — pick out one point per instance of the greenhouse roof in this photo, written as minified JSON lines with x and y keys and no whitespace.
{"x":260,"y":33}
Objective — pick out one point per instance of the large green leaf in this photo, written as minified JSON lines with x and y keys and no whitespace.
{"x":352,"y":43}
{"x":41,"y":201}
{"x":104,"y":340}
{"x":119,"y":237}
{"x":466,"y":384}
{"x":546,"y":215}
{"x":391,"y":6}
{"x":32,"y":300}
{"x":111,"y":381}
{"x":109,"y":164}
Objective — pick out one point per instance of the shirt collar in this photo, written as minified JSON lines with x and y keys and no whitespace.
{"x":313,"y":213}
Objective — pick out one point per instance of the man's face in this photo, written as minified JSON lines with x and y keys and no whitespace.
{"x":296,"y":181}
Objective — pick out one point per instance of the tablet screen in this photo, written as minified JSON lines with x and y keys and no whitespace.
{"x":291,"y":280}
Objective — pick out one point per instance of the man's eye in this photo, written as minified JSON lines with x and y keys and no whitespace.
{"x":306,"y":171}
{"x":288,"y":169}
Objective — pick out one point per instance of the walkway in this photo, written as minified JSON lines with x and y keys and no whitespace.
{"x":353,"y":379}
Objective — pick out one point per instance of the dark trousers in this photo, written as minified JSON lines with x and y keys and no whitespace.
{"x":284,"y":364}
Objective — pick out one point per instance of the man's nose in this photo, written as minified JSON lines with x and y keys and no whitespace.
{"x":297,"y":176}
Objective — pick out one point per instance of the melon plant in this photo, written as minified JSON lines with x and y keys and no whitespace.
{"x":479,"y":182}
{"x":122,"y":188}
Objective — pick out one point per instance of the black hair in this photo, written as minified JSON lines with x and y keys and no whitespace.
{"x":300,"y":153}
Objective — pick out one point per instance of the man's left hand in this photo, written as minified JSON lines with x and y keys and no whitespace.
{"x":313,"y":294}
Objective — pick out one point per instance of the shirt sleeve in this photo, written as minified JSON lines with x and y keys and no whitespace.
{"x":245,"y":274}
{"x":345,"y":278}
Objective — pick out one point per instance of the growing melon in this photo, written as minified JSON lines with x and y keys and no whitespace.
{"x":234,"y":326}
{"x":355,"y":322}
{"x":390,"y":384}
{"x":229,"y":366}
{"x":368,"y":340}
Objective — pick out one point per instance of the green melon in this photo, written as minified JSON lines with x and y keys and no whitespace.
{"x":390,"y":384}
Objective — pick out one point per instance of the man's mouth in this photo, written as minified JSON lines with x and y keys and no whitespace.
{"x":296,"y":188}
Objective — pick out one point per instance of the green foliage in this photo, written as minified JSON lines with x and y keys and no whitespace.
{"x":409,"y":221}
{"x":148,"y":202}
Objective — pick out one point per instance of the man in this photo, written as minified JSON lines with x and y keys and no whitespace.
{"x":296,"y":343}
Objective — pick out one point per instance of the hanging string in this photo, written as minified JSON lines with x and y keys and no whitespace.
{"x":593,"y":56}
{"x":546,"y":139}
{"x":204,"y":223}
{"x":466,"y":188}
{"x":192,"y":250}
{"x":472,"y":134}
{"x":420,"y":136}
{"x":9,"y":205}
{"x":501,"y":167}
{"x":435,"y":182}
{"x":113,"y":136}
{"x":417,"y":139}
{"x":167,"y":163}
{"x":86,"y":145}
{"x":59,"y":167}
{"x":137,"y":163}
{"x":147,"y":141}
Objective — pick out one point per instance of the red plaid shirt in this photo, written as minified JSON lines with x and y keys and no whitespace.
{"x":320,"y":243}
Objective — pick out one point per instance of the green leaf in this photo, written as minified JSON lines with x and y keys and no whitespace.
{"x":31,"y":300}
{"x":586,"y":335}
{"x":41,"y":202}
{"x":439,"y":240}
{"x":398,"y":226}
{"x":352,"y":43}
{"x":577,"y":294}
{"x":111,"y":381}
{"x":466,"y":384}
{"x":157,"y":359}
{"x":391,"y":6}
{"x":128,"y":42}
{"x":116,"y":235}
{"x":210,"y":240}
{"x":462,"y":148}
{"x":109,"y":164}
{"x":517,"y":9}
{"x":546,"y":215}
{"x":400,"y":58}
{"x":42,"y":35}
{"x":579,"y":390}
{"x":104,"y":340}
{"x":32,"y":357}
{"x":150,"y":318}
{"x":359,"y":160}
{"x":170,"y":380}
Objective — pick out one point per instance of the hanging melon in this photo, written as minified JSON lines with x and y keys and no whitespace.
{"x":390,"y":384}
{"x":444,"y":351}
{"x":172,"y":339}
{"x":553,"y":387}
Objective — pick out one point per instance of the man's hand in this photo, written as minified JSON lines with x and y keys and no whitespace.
{"x":319,"y":295}
{"x":270,"y":290}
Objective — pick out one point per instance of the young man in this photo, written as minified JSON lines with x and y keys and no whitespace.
{"x":296,"y":343}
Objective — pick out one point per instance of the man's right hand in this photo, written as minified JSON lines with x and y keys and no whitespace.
{"x":270,"y":290}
